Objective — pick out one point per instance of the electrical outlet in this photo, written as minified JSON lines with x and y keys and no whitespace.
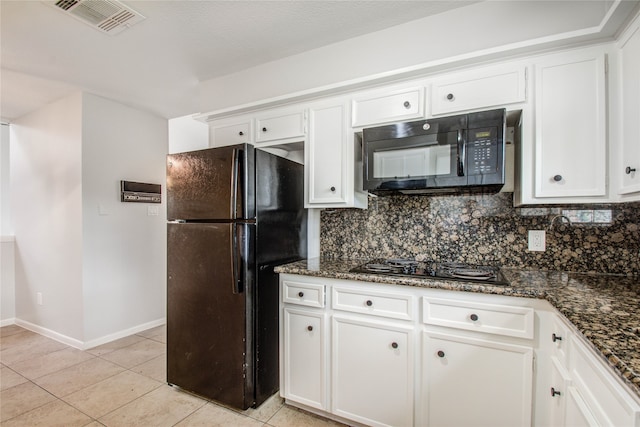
{"x":39,"y":298}
{"x":537,"y":241}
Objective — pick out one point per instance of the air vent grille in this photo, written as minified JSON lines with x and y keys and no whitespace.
{"x":108,"y":16}
{"x":66,"y":4}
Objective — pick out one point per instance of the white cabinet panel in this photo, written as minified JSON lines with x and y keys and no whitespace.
{"x":476,"y":382}
{"x":372,"y":372}
{"x":395,"y":306}
{"x":607,"y":401}
{"x":570,"y":126}
{"x":557,"y":393}
{"x":304,"y":357}
{"x":327,"y":156}
{"x":479,"y":317}
{"x":307,"y":294}
{"x":482,"y":88}
{"x":223,"y":133}
{"x":629,"y":169}
{"x":577,"y":411}
{"x":280,"y":125}
{"x":388,"y":106}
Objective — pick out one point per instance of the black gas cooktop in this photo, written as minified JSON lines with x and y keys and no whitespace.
{"x":431,"y":269}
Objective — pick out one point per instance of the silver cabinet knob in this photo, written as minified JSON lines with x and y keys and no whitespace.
{"x":407,"y":104}
{"x":450,"y":97}
{"x":557,"y":178}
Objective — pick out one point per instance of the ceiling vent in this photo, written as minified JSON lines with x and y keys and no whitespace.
{"x":107,"y":16}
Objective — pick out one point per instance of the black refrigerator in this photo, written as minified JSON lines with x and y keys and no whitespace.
{"x":234,"y":213}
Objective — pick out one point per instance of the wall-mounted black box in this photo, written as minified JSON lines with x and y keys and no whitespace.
{"x":140,"y":192}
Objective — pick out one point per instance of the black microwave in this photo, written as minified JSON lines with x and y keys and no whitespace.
{"x":456,"y":154}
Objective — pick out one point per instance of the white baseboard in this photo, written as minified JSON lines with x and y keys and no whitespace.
{"x":8,"y":322}
{"x":124,"y":333}
{"x":83,"y":345}
{"x":50,"y":334}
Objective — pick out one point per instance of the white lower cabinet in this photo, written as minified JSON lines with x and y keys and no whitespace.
{"x":557,"y":393}
{"x":475,"y":382}
{"x":580,"y":389}
{"x":372,"y":372}
{"x":304,"y":354}
{"x":577,"y":412}
{"x":349,"y":351}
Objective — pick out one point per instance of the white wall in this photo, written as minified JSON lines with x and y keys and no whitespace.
{"x":124,"y":248}
{"x":7,"y":264}
{"x":5,"y":151}
{"x":98,"y":263}
{"x":459,"y":32}
{"x":187,"y":134}
{"x":46,"y":202}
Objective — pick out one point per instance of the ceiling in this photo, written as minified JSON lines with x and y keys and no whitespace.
{"x":157,"y":64}
{"x":45,"y":53}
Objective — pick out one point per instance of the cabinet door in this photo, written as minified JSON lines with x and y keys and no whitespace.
{"x":223,"y":133}
{"x":557,"y":393}
{"x":570,"y":126}
{"x":326,"y":154}
{"x":304,"y":358}
{"x":475,"y":382}
{"x":388,"y":106}
{"x":483,"y":88}
{"x":577,"y":413}
{"x":372,"y":372}
{"x":280,"y":125}
{"x":630,"y":166}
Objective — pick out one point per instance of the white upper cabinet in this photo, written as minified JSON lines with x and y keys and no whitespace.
{"x":332,"y":167}
{"x":232,"y":131}
{"x":563,"y":155}
{"x":570,"y":126}
{"x":628,"y":170}
{"x":392,"y":105}
{"x":479,"y":88}
{"x":280,"y":125}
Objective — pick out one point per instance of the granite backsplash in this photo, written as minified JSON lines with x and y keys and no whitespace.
{"x":481,"y":229}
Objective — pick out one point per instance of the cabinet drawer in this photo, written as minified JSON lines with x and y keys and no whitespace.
{"x":230,"y":134}
{"x":608,"y":401}
{"x":388,"y":107}
{"x":488,"y":318}
{"x":489,"y":87}
{"x":308,"y":294}
{"x":280,"y":126}
{"x":395,"y":306}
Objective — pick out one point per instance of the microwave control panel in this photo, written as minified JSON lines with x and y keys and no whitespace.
{"x":482,"y":151}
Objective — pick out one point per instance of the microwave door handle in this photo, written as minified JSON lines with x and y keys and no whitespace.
{"x":461,"y":153}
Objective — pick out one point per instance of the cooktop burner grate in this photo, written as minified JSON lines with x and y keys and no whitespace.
{"x":431,"y":269}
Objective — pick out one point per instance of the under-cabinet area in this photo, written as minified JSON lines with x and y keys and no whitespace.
{"x":379,"y":354}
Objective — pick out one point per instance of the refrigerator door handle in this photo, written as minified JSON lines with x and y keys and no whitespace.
{"x":235,"y":176}
{"x":235,"y":261}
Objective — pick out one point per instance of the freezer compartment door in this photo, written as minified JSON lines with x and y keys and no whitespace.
{"x":209,"y":349}
{"x":211,"y":184}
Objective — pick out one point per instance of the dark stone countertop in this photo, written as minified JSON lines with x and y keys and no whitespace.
{"x":605,"y":309}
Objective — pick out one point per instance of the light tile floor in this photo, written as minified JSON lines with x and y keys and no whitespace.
{"x":121,"y":383}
